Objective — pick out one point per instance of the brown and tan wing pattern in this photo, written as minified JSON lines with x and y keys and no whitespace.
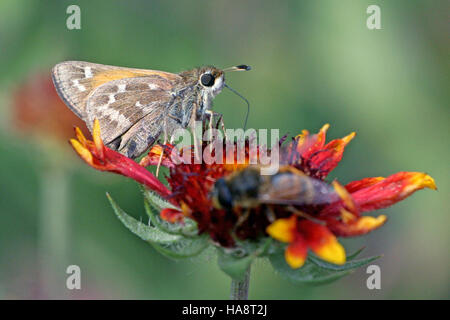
{"x":76,"y":80}
{"x":121,"y":104}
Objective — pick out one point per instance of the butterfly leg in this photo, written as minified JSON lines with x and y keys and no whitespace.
{"x":197,"y":145}
{"x":211,"y":115}
{"x":220,"y":122}
{"x":222,"y":125}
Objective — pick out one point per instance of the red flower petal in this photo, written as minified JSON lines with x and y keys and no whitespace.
{"x":361,"y":184}
{"x":311,"y":155}
{"x":102,"y":158}
{"x":391,"y":190}
{"x":296,"y":253}
{"x":154,"y":156}
{"x":325,"y":160}
{"x":172,"y":215}
{"x":355,"y":227}
{"x":308,"y":145}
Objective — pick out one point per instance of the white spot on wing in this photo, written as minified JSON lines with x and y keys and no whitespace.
{"x":88,"y":72}
{"x":138,"y":104}
{"x":111,"y":98}
{"x":121,"y":87}
{"x":153,"y":86}
{"x":106,"y":111}
{"x":79,"y":86}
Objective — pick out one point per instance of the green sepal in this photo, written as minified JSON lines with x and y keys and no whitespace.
{"x":349,"y":265}
{"x":316,"y":271}
{"x":309,"y":273}
{"x":355,"y":254}
{"x":145,"y":232}
{"x":183,"y":248}
{"x":153,"y":205}
{"x":156,"y":201}
{"x":170,"y":245}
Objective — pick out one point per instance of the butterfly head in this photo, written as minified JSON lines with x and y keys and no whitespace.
{"x":211,"y":80}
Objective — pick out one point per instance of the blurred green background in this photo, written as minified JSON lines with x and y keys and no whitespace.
{"x":314,"y":62}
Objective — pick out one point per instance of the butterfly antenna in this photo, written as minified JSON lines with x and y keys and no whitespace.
{"x":243,"y":98}
{"x":241,"y":67}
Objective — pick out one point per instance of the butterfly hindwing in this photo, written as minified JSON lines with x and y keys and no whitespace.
{"x":120,"y":104}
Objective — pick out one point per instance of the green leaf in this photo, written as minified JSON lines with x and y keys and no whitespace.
{"x":156,"y":201}
{"x":188,"y":228}
{"x":154,"y":204}
{"x":140,"y":229}
{"x":309,"y":273}
{"x":183,"y":248}
{"x":349,"y":265}
{"x":355,"y":254}
{"x":173,"y":246}
{"x":316,"y":271}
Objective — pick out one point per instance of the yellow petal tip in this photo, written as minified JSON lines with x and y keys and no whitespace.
{"x":420,"y":180}
{"x":283,"y":229}
{"x":96,"y":135}
{"x":294,"y":261}
{"x":82,"y":151}
{"x":371,"y":223}
{"x":429,"y":182}
{"x":80,"y":136}
{"x":332,"y":252}
{"x":349,"y":137}
{"x":325,"y":127}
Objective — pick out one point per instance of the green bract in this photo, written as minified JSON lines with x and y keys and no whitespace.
{"x":181,"y":240}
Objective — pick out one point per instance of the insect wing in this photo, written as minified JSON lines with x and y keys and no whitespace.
{"x":288,"y":188}
{"x":76,"y":80}
{"x":121,"y":104}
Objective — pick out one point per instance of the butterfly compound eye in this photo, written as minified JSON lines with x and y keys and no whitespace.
{"x":207,"y":79}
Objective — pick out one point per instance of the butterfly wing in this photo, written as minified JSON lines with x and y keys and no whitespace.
{"x":76,"y":80}
{"x":120,"y":104}
{"x":296,"y":188}
{"x":129,"y":103}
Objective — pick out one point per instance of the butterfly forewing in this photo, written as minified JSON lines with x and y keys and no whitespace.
{"x":76,"y":80}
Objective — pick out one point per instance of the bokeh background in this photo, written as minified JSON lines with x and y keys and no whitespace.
{"x":314,"y":62}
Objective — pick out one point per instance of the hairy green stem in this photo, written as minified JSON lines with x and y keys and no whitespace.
{"x":239,"y":288}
